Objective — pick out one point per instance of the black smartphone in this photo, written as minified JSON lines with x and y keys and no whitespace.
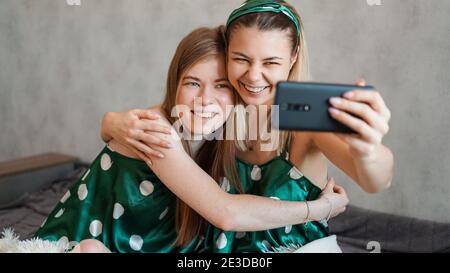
{"x":303,"y":106}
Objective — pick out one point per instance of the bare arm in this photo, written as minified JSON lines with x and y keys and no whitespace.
{"x":104,"y":132}
{"x":129,"y":129}
{"x":361,"y":155}
{"x":237,"y":212}
{"x":372,"y":173}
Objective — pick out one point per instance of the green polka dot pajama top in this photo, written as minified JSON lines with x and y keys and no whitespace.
{"x":120,"y":202}
{"x":278,"y":179}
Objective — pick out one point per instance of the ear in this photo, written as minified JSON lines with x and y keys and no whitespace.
{"x":294,"y":57}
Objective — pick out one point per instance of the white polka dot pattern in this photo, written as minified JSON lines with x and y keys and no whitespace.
{"x":256,"y":173}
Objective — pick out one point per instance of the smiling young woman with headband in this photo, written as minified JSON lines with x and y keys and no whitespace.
{"x":266,"y":44}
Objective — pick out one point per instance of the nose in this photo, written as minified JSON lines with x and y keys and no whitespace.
{"x":206,"y":96}
{"x":254,"y":73}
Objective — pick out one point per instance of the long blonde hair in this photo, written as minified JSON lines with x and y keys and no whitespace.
{"x":198,"y":45}
{"x":266,"y":21}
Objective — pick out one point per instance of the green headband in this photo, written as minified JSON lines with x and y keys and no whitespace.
{"x":255,"y":6}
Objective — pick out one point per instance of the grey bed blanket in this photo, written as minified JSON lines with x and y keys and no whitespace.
{"x":357,"y":230}
{"x":27,"y":216}
{"x":362,"y":230}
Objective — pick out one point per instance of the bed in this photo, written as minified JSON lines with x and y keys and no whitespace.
{"x":358,"y":230}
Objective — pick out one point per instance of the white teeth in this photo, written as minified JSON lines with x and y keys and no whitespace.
{"x":205,"y":114}
{"x":254,"y":89}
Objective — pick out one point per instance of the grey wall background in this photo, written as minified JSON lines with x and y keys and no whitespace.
{"x":62,"y":67}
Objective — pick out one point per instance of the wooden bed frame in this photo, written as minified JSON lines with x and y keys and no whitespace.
{"x":22,"y":176}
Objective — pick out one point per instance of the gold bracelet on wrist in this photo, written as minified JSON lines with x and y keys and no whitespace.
{"x":331,"y":208}
{"x":307,"y":212}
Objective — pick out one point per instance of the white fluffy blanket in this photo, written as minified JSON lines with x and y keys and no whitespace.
{"x":10,"y":243}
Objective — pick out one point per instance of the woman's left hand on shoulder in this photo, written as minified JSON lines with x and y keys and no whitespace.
{"x":366,"y":113}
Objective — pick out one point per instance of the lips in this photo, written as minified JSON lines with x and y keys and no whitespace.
{"x":201,"y":114}
{"x":254,"y":89}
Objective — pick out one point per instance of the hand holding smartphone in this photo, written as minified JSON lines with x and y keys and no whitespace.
{"x":303,"y":106}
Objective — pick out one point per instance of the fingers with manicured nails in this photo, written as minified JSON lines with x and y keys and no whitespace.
{"x":359,"y":126}
{"x":340,"y":190}
{"x":372,"y":98}
{"x":146,"y":114}
{"x":144,"y":148}
{"x":361,"y":110}
{"x":147,"y":125}
{"x":151,"y":140}
{"x":138,"y":134}
{"x":329,"y":186}
{"x":155,"y":127}
{"x":331,"y":181}
{"x":146,"y":121}
{"x":361,"y":82}
{"x":327,"y":189}
{"x":142,"y":156}
{"x":379,"y":114}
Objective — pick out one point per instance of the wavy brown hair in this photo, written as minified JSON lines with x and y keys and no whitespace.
{"x":200,"y":44}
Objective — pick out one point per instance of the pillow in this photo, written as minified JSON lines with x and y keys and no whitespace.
{"x":324,"y":245}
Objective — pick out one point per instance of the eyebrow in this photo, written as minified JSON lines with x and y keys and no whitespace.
{"x":266,"y":59}
{"x":198,"y":80}
{"x":221,"y":80}
{"x":191,"y":78}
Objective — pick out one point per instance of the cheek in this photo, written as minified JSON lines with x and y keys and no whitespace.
{"x":286,"y":71}
{"x":226,"y":102}
{"x":185,"y":96}
{"x":279,"y":74}
{"x":227,"y":98}
{"x":233,"y":73}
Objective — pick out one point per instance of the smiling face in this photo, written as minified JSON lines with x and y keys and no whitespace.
{"x":257,"y":60}
{"x":205,"y":93}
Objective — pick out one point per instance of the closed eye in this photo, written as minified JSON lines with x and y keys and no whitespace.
{"x":272,"y":63}
{"x":241,"y":60}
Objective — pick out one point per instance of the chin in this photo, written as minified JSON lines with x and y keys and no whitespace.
{"x":207,"y":126}
{"x":258,"y":101}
